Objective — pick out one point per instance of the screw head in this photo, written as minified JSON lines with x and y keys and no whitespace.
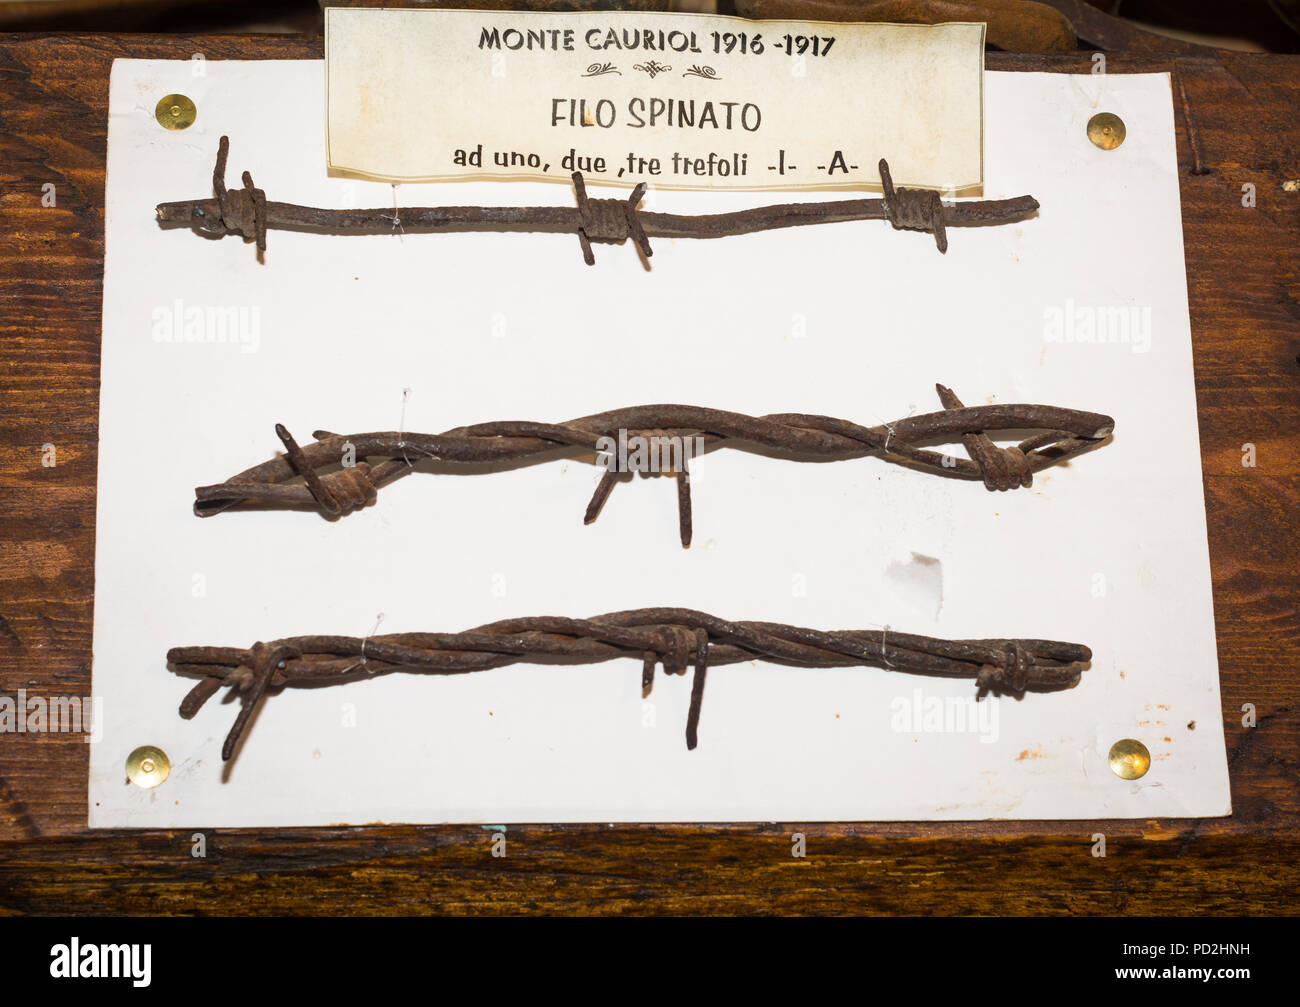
{"x":175,"y":111}
{"x":1106,"y":130}
{"x":1129,"y":759}
{"x":147,"y":767}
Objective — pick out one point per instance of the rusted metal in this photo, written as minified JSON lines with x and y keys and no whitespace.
{"x":247,"y":212}
{"x":673,"y":637}
{"x":314,"y":475}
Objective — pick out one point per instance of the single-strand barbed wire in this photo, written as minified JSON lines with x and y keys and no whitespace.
{"x":247,"y":212}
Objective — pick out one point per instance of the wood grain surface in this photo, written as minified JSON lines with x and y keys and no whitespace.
{"x":1240,"y":126}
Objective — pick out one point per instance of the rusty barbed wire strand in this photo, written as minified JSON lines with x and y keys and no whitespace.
{"x":312,"y":476}
{"x":673,"y":637}
{"x":247,"y":212}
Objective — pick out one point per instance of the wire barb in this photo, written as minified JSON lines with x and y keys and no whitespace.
{"x":674,"y":637}
{"x":917,"y":209}
{"x":242,"y":211}
{"x":335,"y":492}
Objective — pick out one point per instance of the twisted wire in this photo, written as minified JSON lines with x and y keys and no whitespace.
{"x":671,"y":637}
{"x":306,"y":476}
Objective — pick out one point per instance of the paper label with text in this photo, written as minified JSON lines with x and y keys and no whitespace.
{"x":674,"y":100}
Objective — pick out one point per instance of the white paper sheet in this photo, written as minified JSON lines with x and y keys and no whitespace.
{"x":853,"y":320}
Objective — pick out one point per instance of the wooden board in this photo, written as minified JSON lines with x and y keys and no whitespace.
{"x":1240,"y":126}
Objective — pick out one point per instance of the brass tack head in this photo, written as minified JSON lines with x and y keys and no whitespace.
{"x":1129,"y":759}
{"x":147,"y":766}
{"x":1106,"y":130}
{"x":175,"y":111}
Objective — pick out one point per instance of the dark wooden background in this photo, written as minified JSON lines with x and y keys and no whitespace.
{"x":1241,"y":125}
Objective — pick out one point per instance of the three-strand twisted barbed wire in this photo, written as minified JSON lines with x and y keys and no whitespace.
{"x":1060,"y":433}
{"x":674,"y":637}
{"x":248,"y":212}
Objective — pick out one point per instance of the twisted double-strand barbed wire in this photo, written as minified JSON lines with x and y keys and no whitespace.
{"x":310,"y":475}
{"x":248,"y":212}
{"x":674,"y":637}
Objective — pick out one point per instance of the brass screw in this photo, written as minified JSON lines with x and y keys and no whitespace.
{"x":147,"y":767}
{"x":1129,"y":759}
{"x":175,"y":111}
{"x":1106,"y":130}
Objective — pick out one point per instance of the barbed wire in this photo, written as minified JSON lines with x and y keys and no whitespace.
{"x":676,"y":638}
{"x":311,"y":476}
{"x":247,"y":212}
